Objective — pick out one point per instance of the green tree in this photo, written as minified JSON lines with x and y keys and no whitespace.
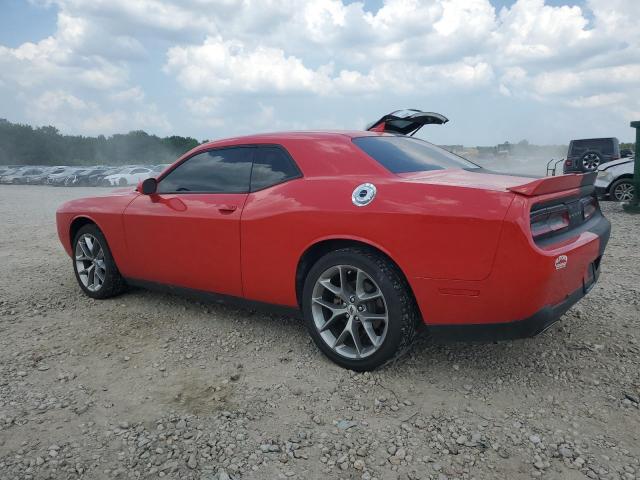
{"x":24,"y":145}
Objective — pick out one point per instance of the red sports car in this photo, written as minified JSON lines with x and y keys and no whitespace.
{"x":368,"y":233}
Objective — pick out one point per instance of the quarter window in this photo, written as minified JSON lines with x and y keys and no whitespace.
{"x":272,"y":165}
{"x":226,"y":170}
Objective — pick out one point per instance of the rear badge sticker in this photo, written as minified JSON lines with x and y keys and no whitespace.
{"x":561,"y":262}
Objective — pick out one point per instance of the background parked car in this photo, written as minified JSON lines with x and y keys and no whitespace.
{"x":95,"y":179}
{"x":41,"y":178}
{"x":58,"y":176}
{"x":20,"y":176}
{"x":81,"y":178}
{"x":586,"y":155}
{"x":615,"y":180}
{"x":128,"y":176}
{"x":6,"y":171}
{"x":626,"y":153}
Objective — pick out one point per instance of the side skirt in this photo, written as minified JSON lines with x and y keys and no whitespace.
{"x":211,"y":297}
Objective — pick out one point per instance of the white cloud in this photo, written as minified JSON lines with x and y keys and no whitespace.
{"x":130,"y":95}
{"x":230,"y":66}
{"x":602,"y":100}
{"x":202,"y":106}
{"x":71,"y":113}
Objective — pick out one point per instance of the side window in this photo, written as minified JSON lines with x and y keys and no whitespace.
{"x":226,"y":170}
{"x":272,"y":165}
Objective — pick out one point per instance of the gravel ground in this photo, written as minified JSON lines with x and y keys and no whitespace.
{"x":149,"y":385}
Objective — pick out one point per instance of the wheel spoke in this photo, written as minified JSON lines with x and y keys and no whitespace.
{"x":361,"y":293}
{"x":343,"y":335}
{"x":100,"y":273}
{"x":370,"y":317}
{"x":328,"y":305}
{"x":90,"y":245}
{"x":91,"y":276}
{"x":355,"y":335}
{"x":84,"y":271}
{"x":360,"y":278}
{"x":336,"y":312}
{"x":326,"y":283}
{"x":86,"y":250}
{"x":344,"y":286}
{"x":368,"y":328}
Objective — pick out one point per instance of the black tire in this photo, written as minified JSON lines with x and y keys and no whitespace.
{"x":403,"y":315}
{"x":615,"y":191}
{"x":113,"y":283}
{"x":590,"y":161}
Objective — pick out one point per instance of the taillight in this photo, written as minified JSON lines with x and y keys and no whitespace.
{"x":549,"y":220}
{"x":568,"y":163}
{"x":589,"y":207}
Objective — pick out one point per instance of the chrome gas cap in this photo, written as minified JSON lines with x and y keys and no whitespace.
{"x":363,"y":194}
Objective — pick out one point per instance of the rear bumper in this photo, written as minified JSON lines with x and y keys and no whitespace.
{"x":529,"y":289}
{"x":529,"y":327}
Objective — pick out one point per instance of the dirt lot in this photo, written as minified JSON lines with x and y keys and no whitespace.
{"x":148,"y":385}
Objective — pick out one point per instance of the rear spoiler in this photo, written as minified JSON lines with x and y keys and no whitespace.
{"x":542,"y":186}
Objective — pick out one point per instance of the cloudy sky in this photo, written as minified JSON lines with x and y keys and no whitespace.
{"x":544,"y":70}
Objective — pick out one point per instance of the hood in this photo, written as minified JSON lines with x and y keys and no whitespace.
{"x":615,"y":163}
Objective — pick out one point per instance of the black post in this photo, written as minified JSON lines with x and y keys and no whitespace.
{"x":634,"y":205}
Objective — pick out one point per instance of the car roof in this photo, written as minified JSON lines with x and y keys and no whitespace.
{"x":309,"y":150}
{"x":293,"y":135}
{"x":593,"y":139}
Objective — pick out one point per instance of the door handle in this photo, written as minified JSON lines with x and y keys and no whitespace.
{"x":227,"y":208}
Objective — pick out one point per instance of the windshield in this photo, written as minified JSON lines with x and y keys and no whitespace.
{"x":400,"y":154}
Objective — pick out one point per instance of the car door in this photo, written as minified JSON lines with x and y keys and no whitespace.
{"x":188,"y":233}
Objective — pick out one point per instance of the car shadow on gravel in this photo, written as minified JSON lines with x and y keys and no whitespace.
{"x":486,"y":361}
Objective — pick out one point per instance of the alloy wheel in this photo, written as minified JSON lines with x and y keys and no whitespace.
{"x":350,"y":312}
{"x":623,"y":192}
{"x":591,"y":161}
{"x":90,"y":264}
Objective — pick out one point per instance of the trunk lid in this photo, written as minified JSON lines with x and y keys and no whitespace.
{"x":472,"y":178}
{"x":406,"y":122}
{"x":480,"y":178}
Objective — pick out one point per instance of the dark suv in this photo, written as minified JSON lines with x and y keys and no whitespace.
{"x":587,"y":154}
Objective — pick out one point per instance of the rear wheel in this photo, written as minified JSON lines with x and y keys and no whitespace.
{"x":358,"y":309}
{"x":93,"y":264}
{"x":622,"y":190}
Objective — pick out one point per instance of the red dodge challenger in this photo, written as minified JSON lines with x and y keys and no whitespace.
{"x":368,"y":233}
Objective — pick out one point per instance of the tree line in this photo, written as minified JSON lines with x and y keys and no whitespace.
{"x":26,"y":145}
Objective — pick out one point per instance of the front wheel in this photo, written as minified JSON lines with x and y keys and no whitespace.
{"x":622,"y":190}
{"x":93,"y":264}
{"x":358,"y":309}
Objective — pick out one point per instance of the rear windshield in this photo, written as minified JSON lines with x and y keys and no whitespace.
{"x":400,"y":154}
{"x":605,"y":146}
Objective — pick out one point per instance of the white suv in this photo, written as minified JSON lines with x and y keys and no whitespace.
{"x":615,"y":180}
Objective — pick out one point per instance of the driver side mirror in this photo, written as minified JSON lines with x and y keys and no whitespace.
{"x":149,"y":186}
